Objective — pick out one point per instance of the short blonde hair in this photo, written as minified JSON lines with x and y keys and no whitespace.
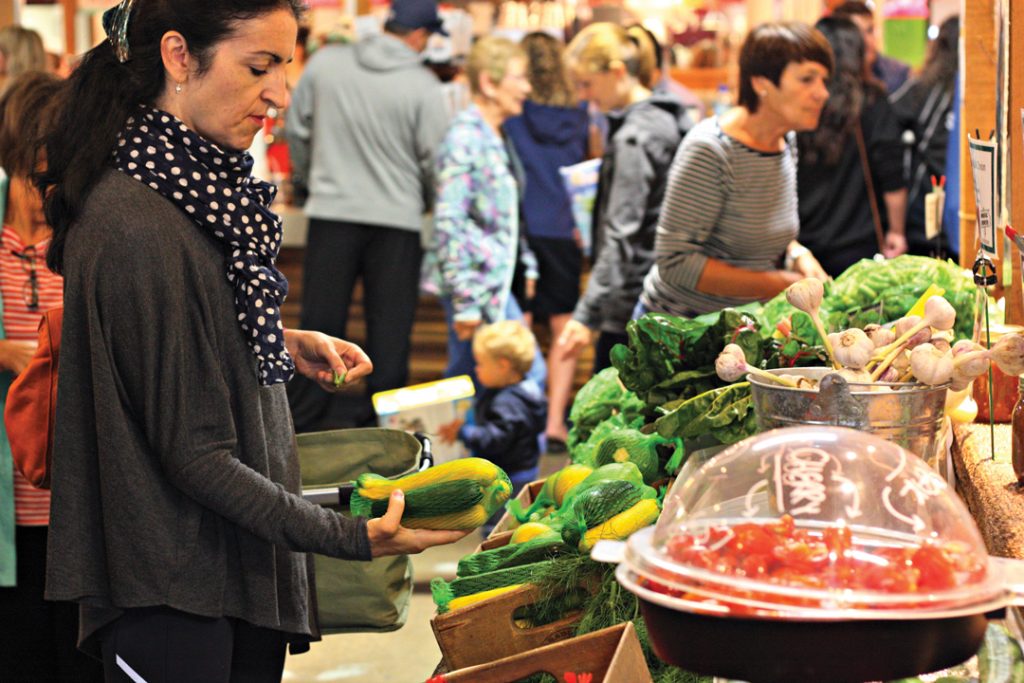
{"x":599,"y":45}
{"x":491,"y":55}
{"x":509,"y":339}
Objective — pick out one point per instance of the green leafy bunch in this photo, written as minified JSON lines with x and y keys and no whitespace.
{"x":668,"y":358}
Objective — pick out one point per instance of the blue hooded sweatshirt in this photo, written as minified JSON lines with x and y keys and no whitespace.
{"x":546,"y":138}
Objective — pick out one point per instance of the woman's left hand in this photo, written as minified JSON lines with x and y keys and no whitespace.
{"x":808,"y":266}
{"x":321,"y":358}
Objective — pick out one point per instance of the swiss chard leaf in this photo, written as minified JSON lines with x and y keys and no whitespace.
{"x":707,"y":412}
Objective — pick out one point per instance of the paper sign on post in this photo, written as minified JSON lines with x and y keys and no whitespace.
{"x":934,"y":205}
{"x":983,"y":167}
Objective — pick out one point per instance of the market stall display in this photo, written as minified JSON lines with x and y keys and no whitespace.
{"x":681,"y":385}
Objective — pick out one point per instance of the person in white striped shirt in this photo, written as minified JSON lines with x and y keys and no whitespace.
{"x":728,"y":226}
{"x":37,"y":637}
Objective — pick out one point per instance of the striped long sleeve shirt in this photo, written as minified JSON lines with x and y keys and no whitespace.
{"x":724,"y":201}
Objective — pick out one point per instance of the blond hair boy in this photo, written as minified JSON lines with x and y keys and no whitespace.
{"x":510,"y":411}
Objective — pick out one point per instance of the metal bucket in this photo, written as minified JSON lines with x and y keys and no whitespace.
{"x":911,"y":415}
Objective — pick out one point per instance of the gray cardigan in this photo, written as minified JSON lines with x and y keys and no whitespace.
{"x":175,"y":474}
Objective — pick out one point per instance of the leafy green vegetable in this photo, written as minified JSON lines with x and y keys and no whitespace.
{"x":880,"y":292}
{"x":725,"y":413}
{"x":600,"y":399}
{"x":670,"y":358}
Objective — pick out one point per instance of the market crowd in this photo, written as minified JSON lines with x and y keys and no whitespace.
{"x":174,"y":517}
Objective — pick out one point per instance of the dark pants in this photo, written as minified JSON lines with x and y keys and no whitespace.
{"x":163,"y":645}
{"x":603,"y":349}
{"x":388,"y":262}
{"x":38,"y":637}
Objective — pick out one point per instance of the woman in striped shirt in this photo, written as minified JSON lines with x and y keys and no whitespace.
{"x":728,"y":225}
{"x":38,"y":638}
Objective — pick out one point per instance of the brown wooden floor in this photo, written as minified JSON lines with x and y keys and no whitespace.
{"x":429,"y":331}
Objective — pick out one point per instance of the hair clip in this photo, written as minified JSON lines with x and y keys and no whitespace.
{"x":115,"y":23}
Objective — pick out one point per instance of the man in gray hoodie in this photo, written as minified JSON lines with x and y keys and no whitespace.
{"x":362,"y":129}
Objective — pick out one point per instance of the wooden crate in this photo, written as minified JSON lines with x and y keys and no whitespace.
{"x":526,"y":497}
{"x":612,"y":655}
{"x":486,"y":631}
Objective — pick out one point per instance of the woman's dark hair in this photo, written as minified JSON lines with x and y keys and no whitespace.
{"x":770,"y":48}
{"x":853,"y":8}
{"x":27,"y":110}
{"x":102,"y":92}
{"x":849,"y":90}
{"x":940,"y":67}
{"x":546,"y":70}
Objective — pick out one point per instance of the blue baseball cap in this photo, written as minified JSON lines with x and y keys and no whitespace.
{"x":414,"y":14}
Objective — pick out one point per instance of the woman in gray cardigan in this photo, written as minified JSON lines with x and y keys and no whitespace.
{"x":177,"y":520}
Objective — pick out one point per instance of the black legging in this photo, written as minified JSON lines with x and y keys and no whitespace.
{"x":38,"y":637}
{"x":162,"y":645}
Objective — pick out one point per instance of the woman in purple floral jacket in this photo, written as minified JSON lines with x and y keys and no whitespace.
{"x":472,"y":250}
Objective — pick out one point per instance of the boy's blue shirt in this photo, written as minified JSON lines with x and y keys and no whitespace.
{"x":507,"y":424}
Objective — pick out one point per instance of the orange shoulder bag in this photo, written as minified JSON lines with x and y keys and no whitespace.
{"x":32,"y":404}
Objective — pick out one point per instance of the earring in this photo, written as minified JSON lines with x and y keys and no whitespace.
{"x":177,"y":88}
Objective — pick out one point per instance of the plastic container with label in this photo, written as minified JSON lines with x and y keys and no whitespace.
{"x":815,"y":553}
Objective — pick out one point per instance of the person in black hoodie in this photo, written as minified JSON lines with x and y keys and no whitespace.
{"x":609,"y":65}
{"x":510,"y":411}
{"x":552,"y":132}
{"x":840,"y":203}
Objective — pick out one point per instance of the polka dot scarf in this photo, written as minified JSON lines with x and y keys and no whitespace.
{"x":215,"y":188}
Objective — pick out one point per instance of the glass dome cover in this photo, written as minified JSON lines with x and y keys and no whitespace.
{"x":815,"y":522}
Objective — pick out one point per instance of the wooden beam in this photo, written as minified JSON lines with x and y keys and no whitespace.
{"x":8,"y":12}
{"x":70,"y":11}
{"x":978,"y":42}
{"x":1015,"y":152}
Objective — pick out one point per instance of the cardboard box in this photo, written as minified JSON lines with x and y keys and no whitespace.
{"x":425,"y":407}
{"x":526,"y":497}
{"x":486,"y":631}
{"x":612,"y":655}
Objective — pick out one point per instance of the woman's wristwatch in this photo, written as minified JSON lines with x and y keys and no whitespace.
{"x":793,"y":254}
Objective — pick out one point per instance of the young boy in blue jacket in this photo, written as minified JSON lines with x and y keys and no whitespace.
{"x":510,"y":412}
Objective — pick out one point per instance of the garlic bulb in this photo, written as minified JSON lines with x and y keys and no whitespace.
{"x":902,"y":362}
{"x":912,"y":330}
{"x":806,"y":295}
{"x":729,"y":367}
{"x":939,"y":313}
{"x":855,"y":376}
{"x":852,"y":347}
{"x":800,"y":381}
{"x":907,"y":323}
{"x":966,"y":346}
{"x":1008,"y":353}
{"x":879,"y":336}
{"x":890,"y":375}
{"x":970,"y":360}
{"x":940,"y":342}
{"x":931,"y":366}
